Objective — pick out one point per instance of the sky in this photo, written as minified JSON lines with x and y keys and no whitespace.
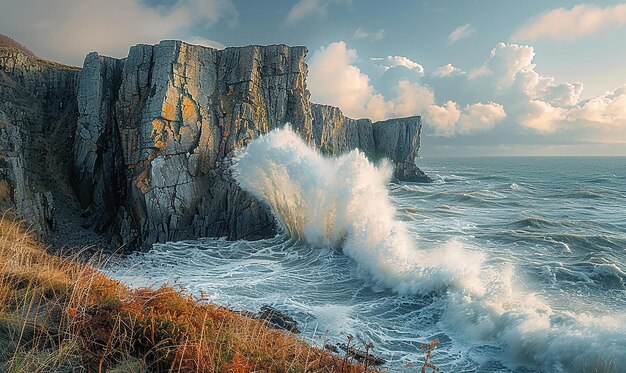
{"x":488,"y":77}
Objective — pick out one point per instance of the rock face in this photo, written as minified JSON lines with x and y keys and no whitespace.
{"x":156,"y":131}
{"x":155,"y":134}
{"x":37,"y":123}
{"x":395,"y":139}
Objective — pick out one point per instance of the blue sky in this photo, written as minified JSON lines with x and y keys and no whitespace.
{"x":488,"y":77}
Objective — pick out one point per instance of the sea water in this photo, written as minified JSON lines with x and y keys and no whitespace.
{"x":514,"y":264}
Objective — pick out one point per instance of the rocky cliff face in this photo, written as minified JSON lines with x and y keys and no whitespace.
{"x":37,"y":123}
{"x":155,"y":132}
{"x":396,"y":139}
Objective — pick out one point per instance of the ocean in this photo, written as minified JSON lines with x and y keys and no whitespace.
{"x":515,"y":264}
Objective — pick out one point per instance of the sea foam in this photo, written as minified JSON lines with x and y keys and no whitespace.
{"x":343,"y":202}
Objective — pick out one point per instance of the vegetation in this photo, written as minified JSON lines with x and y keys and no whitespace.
{"x":7,"y":42}
{"x":57,"y":314}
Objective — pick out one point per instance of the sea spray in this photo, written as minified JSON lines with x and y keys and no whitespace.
{"x":343,"y":202}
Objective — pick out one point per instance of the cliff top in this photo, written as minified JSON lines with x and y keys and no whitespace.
{"x":8,"y":42}
{"x":167,"y":41}
{"x":9,"y":46}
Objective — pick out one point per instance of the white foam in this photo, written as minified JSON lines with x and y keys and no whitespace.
{"x":343,"y":202}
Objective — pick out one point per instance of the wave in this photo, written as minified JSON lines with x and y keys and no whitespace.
{"x":533,"y":223}
{"x":581,"y":194}
{"x":442,"y":179}
{"x":343,"y":202}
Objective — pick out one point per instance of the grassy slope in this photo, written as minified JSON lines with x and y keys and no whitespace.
{"x":60,"y":315}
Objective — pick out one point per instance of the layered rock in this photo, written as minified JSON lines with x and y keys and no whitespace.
{"x":158,"y":129}
{"x":37,"y":123}
{"x":395,"y":139}
{"x":146,"y":142}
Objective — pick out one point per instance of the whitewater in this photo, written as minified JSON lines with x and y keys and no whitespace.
{"x":514,"y":264}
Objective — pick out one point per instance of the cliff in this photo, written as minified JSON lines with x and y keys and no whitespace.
{"x":38,"y":116}
{"x":146,"y":142}
{"x":396,"y":139}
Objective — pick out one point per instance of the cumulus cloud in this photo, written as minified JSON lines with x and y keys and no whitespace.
{"x":461,"y":32}
{"x":306,"y":8}
{"x":334,"y":80}
{"x":541,"y":116}
{"x":448,"y":70}
{"x":509,"y":70}
{"x":481,"y":117}
{"x":397,"y":61}
{"x":75,"y":27}
{"x":412,"y":98}
{"x":361,"y":33}
{"x":443,"y":118}
{"x":607,"y":109}
{"x":570,"y":24}
{"x":505,"y":88}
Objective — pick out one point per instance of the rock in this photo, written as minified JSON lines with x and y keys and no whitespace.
{"x":98,"y":165}
{"x":138,"y":150}
{"x":37,"y":122}
{"x":399,"y":141}
{"x":335,"y":134}
{"x":180,"y":112}
{"x":278,"y":320}
{"x":361,"y":356}
{"x":395,"y":139}
{"x":331,"y":348}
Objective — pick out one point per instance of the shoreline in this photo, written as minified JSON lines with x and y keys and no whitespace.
{"x":60,"y":314}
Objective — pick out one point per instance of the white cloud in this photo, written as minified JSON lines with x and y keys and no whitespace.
{"x":72,"y":28}
{"x":481,"y":117}
{"x":461,"y":32}
{"x":397,"y":61}
{"x":607,"y":109}
{"x":334,"y":80}
{"x":412,"y":98}
{"x":505,"y":87}
{"x":570,"y":24}
{"x":448,"y":70}
{"x":509,"y":70}
{"x":361,"y":33}
{"x":443,"y":118}
{"x":306,"y":8}
{"x":198,"y":40}
{"x":541,"y":116}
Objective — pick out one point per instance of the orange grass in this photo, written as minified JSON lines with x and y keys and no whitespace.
{"x":59,"y":314}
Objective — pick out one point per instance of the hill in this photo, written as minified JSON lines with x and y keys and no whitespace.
{"x":7,"y":42}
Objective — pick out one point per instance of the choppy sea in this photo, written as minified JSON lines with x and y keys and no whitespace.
{"x":514,"y":264}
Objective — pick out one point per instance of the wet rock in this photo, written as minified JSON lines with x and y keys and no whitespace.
{"x":331,"y":348}
{"x":395,"y":139}
{"x":364,"y":357}
{"x":399,"y":141}
{"x":278,"y":319}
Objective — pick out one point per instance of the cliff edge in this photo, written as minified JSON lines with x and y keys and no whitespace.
{"x":141,"y":146}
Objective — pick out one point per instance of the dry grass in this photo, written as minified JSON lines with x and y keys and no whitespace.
{"x":60,"y":315}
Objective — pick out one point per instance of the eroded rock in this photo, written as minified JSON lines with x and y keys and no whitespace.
{"x":146,"y":142}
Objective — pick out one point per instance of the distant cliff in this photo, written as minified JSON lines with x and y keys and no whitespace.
{"x":145,"y":142}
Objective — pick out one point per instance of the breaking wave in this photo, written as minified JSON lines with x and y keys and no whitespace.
{"x":343,"y":202}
